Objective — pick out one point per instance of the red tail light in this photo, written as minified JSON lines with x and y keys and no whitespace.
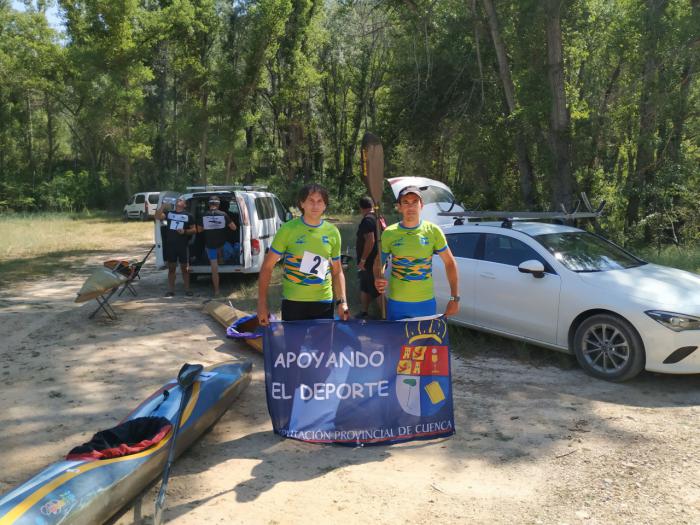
{"x":255,"y":246}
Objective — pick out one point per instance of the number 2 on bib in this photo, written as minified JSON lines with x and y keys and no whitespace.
{"x":314,"y":264}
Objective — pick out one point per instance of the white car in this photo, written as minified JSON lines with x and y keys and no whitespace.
{"x":437,"y":197}
{"x":564,"y":288}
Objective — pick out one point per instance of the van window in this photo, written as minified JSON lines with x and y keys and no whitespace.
{"x":265,"y":208}
{"x":153,"y":198}
{"x":140,"y":198}
{"x":281,"y":210}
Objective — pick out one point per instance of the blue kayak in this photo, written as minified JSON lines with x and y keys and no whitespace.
{"x":89,"y":491}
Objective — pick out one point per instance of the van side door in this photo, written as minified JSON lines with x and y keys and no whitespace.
{"x":245,"y":226}
{"x":168,"y":198}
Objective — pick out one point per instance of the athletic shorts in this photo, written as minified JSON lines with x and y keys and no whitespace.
{"x":303,"y":310}
{"x":213,"y":253}
{"x":397,"y":310}
{"x":367,"y":283}
{"x":176,"y":253}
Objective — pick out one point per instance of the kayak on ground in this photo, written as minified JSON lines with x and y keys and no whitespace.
{"x":99,"y":480}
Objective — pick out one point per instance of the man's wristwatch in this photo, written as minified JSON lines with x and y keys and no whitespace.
{"x":454,"y":298}
{"x":340,"y":301}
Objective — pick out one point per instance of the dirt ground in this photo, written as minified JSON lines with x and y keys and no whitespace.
{"x":535,"y":443}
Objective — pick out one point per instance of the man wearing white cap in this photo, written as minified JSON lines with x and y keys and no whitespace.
{"x":411,"y":244}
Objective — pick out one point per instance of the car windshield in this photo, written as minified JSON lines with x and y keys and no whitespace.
{"x":584,"y":252}
{"x":433,"y":194}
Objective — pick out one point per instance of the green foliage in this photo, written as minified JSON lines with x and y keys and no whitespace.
{"x":159,"y":94}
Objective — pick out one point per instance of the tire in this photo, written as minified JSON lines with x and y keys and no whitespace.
{"x":608,"y":347}
{"x":125,"y":216}
{"x":142,"y":216}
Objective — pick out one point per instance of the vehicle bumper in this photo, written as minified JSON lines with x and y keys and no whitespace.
{"x":660,"y":344}
{"x":223,"y":268}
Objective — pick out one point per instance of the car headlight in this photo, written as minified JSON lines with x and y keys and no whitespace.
{"x":674,"y":321}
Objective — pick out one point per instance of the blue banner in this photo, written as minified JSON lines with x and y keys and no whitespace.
{"x":359,"y":382}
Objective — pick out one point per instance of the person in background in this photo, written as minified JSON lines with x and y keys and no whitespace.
{"x":366,"y":248}
{"x":214,"y":224}
{"x":310,"y":249}
{"x":411,"y":244}
{"x":180,"y":225}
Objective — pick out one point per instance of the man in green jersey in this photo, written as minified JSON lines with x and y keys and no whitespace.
{"x":310,"y":247}
{"x":411,"y":244}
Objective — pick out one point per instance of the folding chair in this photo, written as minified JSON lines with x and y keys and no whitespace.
{"x":101,"y":286}
{"x":130,"y":270}
{"x":103,"y":304}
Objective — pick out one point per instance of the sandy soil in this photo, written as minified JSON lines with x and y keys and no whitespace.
{"x":534,"y":444}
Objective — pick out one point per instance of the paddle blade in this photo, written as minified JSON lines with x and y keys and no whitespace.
{"x":188,"y":374}
{"x":372,"y":158}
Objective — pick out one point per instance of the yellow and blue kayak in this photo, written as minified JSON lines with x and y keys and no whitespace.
{"x":90,"y":491}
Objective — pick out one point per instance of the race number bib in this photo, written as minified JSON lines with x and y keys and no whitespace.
{"x":314,"y":264}
{"x":177,"y":221}
{"x":214,"y":222}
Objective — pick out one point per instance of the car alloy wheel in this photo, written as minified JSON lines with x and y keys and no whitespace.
{"x":609,"y":347}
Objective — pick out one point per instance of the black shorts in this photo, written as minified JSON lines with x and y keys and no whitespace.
{"x":176,"y":253}
{"x":367,"y":283}
{"x":303,"y":310}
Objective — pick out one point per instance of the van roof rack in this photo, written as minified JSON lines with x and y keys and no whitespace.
{"x":510,"y":216}
{"x":212,"y":187}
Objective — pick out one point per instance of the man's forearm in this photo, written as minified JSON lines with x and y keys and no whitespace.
{"x":367,"y":249}
{"x":338,"y":281}
{"x":263,"y":284}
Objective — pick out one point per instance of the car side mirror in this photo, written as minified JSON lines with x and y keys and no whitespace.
{"x":533,"y":267}
{"x":288,"y":216}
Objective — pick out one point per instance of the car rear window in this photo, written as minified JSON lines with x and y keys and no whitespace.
{"x":153,"y":198}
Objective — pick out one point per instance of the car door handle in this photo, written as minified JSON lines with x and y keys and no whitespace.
{"x":487,"y":275}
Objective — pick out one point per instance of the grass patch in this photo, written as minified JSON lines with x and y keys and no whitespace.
{"x":685,"y":258}
{"x":48,"y":243}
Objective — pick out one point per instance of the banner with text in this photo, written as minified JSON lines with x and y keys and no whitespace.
{"x":359,"y":382}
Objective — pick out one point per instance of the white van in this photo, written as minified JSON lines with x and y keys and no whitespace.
{"x":141,"y":206}
{"x":257,"y":213}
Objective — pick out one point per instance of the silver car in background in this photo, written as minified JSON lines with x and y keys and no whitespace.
{"x":564,"y":288}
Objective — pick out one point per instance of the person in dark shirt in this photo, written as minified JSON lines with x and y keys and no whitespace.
{"x":180,"y":225}
{"x":214,"y":223}
{"x":366,"y":248}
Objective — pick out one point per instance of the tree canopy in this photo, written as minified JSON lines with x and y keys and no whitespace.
{"x":514,"y":104}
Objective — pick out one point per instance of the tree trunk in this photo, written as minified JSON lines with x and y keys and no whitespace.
{"x":559,"y":133}
{"x":527,"y":178}
{"x":30,"y":142}
{"x":50,"y":135}
{"x":680,"y":112}
{"x":162,"y":84}
{"x":205,"y":139}
{"x":644,"y":167}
